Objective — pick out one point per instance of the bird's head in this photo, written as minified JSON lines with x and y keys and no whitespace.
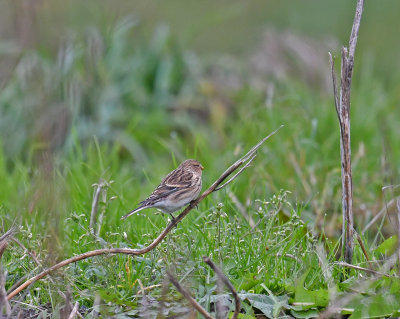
{"x":192,"y":165}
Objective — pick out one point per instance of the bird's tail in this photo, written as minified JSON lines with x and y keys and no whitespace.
{"x":134,"y":211}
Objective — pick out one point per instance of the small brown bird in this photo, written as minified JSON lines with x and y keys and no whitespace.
{"x":178,"y":189}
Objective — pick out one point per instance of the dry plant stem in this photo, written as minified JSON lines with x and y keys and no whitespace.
{"x":4,"y":304}
{"x":148,"y":288}
{"x":344,"y":264}
{"x":74,"y":311}
{"x":377,"y":216}
{"x":5,"y":307}
{"x":95,"y":205}
{"x":103,"y":210}
{"x":360,"y":242}
{"x":3,"y":246}
{"x":226,"y":281}
{"x":4,"y":240}
{"x":9,"y":232}
{"x":189,"y":297}
{"x":160,"y":237}
{"x":342,"y":105}
{"x":398,"y":233}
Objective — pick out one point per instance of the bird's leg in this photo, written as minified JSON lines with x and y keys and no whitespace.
{"x":172,"y":216}
{"x":194,"y":205}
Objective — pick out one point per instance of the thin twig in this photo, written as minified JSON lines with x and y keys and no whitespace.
{"x":355,"y":28}
{"x":95,"y":205}
{"x":344,"y":264}
{"x":377,"y":216}
{"x":4,"y":304}
{"x":9,"y":232}
{"x":171,"y":225}
{"x":360,"y":242}
{"x":237,"y":174}
{"x":74,"y":311}
{"x":188,"y":296}
{"x":4,"y":240}
{"x":141,"y":286}
{"x":226,"y":281}
{"x":334,"y":82}
{"x":103,"y":210}
{"x":398,"y":231}
{"x":147,"y":288}
{"x":5,"y":307}
{"x":3,"y":246}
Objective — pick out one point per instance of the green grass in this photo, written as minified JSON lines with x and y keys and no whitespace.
{"x":134,"y":113}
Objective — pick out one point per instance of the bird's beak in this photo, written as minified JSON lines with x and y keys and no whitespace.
{"x":201,"y":166}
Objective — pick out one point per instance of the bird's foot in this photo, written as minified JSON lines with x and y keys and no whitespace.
{"x":193,"y":204}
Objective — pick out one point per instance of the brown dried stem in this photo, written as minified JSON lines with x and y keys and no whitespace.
{"x":226,"y":281}
{"x":221,"y":276}
{"x":188,"y":296}
{"x":371,"y":271}
{"x":129,"y":251}
{"x":398,"y":232}
{"x":380,"y":213}
{"x":74,"y":311}
{"x":8,"y":233}
{"x":360,"y":242}
{"x":95,"y":205}
{"x":342,"y":105}
{"x":4,"y":304}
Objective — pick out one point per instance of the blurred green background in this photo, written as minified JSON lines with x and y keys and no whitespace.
{"x":167,"y":80}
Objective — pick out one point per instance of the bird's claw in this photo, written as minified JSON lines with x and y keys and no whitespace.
{"x":173,"y":218}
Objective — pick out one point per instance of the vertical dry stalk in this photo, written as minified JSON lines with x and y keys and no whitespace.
{"x":398,"y":231}
{"x":103,"y":210}
{"x":221,"y":276}
{"x":5,"y":308}
{"x":188,"y":297}
{"x":74,"y":311}
{"x":342,"y":104}
{"x":95,"y":205}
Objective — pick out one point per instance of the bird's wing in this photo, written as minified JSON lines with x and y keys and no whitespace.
{"x":178,"y":178}
{"x":176,"y":181}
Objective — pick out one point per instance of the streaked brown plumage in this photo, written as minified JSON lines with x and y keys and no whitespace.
{"x":178,"y":189}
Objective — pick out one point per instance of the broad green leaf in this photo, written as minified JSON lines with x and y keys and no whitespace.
{"x":247,"y":282}
{"x":309,"y":313}
{"x":388,"y":247}
{"x":309,"y":298}
{"x":270,"y":306}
